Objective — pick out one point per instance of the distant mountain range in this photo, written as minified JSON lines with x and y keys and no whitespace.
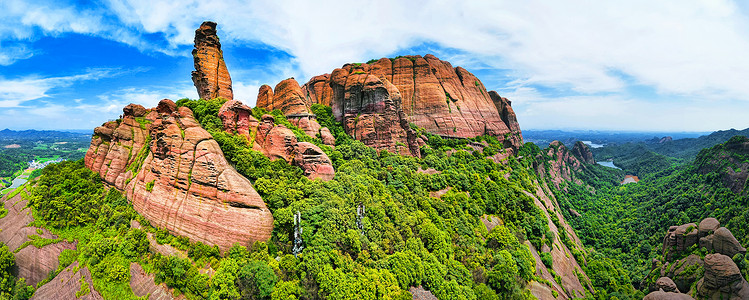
{"x":39,"y":134}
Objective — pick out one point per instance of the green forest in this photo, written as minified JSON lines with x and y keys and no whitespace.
{"x":405,"y":238}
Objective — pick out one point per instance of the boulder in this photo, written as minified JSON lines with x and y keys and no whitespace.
{"x":134,"y":110}
{"x":725,"y":243}
{"x":327,"y":137}
{"x":279,"y":142}
{"x":666,"y":284}
{"x":708,"y":226}
{"x":288,"y":97}
{"x":722,"y":279}
{"x":662,"y":295}
{"x":686,"y":236}
{"x":211,"y":77}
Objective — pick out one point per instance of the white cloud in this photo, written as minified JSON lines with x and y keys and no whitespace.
{"x":684,"y":50}
{"x":14,"y":92}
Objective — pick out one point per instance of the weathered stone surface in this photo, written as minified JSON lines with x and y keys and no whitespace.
{"x":686,"y":236}
{"x":135,"y":110}
{"x":211,"y":77}
{"x":722,"y":279}
{"x":32,"y":263}
{"x":708,"y":226}
{"x":237,"y":118}
{"x":582,"y":151}
{"x":275,"y":141}
{"x":561,"y":167}
{"x":264,"y":96}
{"x":725,"y":243}
{"x":661,"y":295}
{"x":184,"y":183}
{"x":425,"y":91}
{"x":143,"y":284}
{"x":313,"y":161}
{"x":327,"y":137}
{"x":666,"y":284}
{"x":684,"y":275}
{"x":288,"y":97}
{"x":66,"y":284}
{"x":279,"y":142}
{"x":306,"y":122}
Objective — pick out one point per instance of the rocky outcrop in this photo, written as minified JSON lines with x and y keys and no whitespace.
{"x":369,"y":109}
{"x":562,"y":164}
{"x":279,"y":142}
{"x":582,"y":152}
{"x":211,"y":77}
{"x":666,"y":284}
{"x":237,"y":118}
{"x":725,"y":243}
{"x":289,"y":98}
{"x":32,"y":263}
{"x":722,"y":279}
{"x":376,"y":102}
{"x":662,"y":295}
{"x":66,"y":284}
{"x":176,"y":176}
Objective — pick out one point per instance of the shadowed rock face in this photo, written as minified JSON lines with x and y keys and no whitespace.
{"x":210,"y":77}
{"x":582,"y":151}
{"x":176,"y":176}
{"x":425,"y":91}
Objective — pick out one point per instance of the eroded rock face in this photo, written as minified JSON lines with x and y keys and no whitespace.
{"x":369,"y":109}
{"x":582,"y":151}
{"x":279,"y":142}
{"x":237,"y":118}
{"x":708,"y":226}
{"x":32,"y":263}
{"x":722,"y":279}
{"x":66,"y":284}
{"x":562,"y":165}
{"x":725,"y":243}
{"x":662,"y":295}
{"x":211,"y":77}
{"x":666,"y":284}
{"x":425,"y":91}
{"x":180,"y":179}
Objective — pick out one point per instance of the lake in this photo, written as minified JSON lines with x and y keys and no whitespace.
{"x":592,"y":145}
{"x":609,"y":164}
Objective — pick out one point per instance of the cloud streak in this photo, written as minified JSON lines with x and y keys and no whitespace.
{"x":592,"y":53}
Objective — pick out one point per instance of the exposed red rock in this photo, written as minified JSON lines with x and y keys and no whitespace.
{"x":32,"y":263}
{"x":66,"y":284}
{"x":180,"y":179}
{"x":428,"y":92}
{"x":237,"y":118}
{"x":279,"y":142}
{"x":582,"y":151}
{"x":288,"y":97}
{"x":143,"y":285}
{"x":264,"y":96}
{"x":562,"y":165}
{"x":211,"y":77}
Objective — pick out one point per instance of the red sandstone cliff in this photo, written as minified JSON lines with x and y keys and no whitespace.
{"x":210,"y":77}
{"x":425,"y":91}
{"x":177,"y":177}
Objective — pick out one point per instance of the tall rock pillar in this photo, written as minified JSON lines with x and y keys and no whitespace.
{"x":210,"y":77}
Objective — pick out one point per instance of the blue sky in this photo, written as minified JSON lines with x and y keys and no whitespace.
{"x":606,"y":65}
